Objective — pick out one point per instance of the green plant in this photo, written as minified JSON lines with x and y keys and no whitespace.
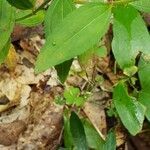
{"x":80,"y":134}
{"x":72,"y":31}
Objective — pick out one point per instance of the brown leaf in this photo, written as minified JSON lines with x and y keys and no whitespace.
{"x":10,"y":132}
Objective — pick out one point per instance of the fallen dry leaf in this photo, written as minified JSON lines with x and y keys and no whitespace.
{"x":94,"y":110}
{"x":45,"y":124}
{"x":26,"y":97}
{"x":10,"y":132}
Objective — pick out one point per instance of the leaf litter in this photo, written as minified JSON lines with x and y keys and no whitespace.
{"x":29,"y":118}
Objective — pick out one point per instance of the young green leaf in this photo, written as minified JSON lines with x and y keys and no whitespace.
{"x":79,"y":102}
{"x":130,"y":36}
{"x":56,"y":12}
{"x":22,"y":4}
{"x":68,"y":38}
{"x":78,"y":133}
{"x":142,"y":5}
{"x":71,"y":94}
{"x":72,"y":97}
{"x":93,"y":138}
{"x":34,"y":20}
{"x":110,"y":143}
{"x":144,"y":73}
{"x":7,"y":17}
{"x":130,"y":111}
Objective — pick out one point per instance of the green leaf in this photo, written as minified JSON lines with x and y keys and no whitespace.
{"x":63,"y":70}
{"x":144,"y":72}
{"x":34,"y":20}
{"x":68,"y":38}
{"x":79,"y":102}
{"x":4,"y":52}
{"x":110,"y":143}
{"x":7,"y":16}
{"x":130,"y":111}
{"x":142,"y":5}
{"x":56,"y":12}
{"x":93,"y":138}
{"x":78,"y":133}
{"x":130,"y":71}
{"x":68,"y":140}
{"x":144,"y":98}
{"x":71,"y":94}
{"x":72,"y":97}
{"x":144,"y":76}
{"x":22,"y":4}
{"x":130,"y":36}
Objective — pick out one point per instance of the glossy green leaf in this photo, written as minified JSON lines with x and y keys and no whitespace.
{"x":4,"y":52}
{"x":78,"y":133}
{"x":144,"y":76}
{"x":130,"y":111}
{"x":110,"y":143}
{"x":56,"y":12}
{"x":130,"y":36}
{"x":68,"y":38}
{"x":142,"y":5}
{"x":34,"y":20}
{"x":7,"y":16}
{"x":22,"y":4}
{"x":93,"y":138}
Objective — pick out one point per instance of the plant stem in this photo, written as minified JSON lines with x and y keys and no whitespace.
{"x":34,"y":11}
